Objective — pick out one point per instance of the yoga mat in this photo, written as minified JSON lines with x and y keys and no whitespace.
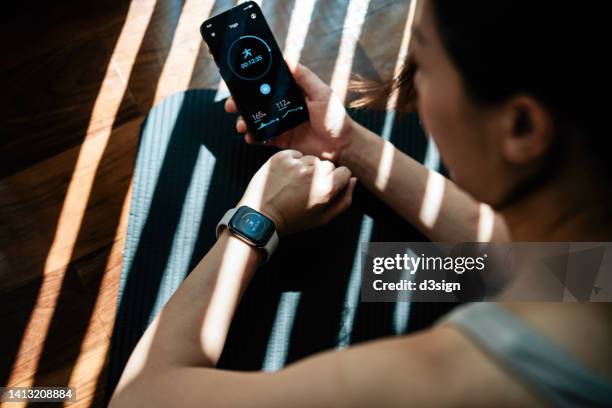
{"x":191,"y":167}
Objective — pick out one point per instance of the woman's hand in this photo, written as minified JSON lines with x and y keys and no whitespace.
{"x":327,"y":132}
{"x":299,"y":192}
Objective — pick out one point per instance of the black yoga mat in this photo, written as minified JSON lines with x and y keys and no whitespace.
{"x":191,"y":167}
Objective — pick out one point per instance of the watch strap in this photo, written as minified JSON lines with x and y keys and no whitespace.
{"x":223,"y":223}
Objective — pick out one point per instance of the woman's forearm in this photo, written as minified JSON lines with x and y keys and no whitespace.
{"x":192,"y":327}
{"x":431,"y":202}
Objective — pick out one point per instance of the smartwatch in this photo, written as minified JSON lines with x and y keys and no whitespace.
{"x":252,"y":227}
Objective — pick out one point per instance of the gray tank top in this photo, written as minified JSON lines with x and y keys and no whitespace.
{"x":558,"y":378}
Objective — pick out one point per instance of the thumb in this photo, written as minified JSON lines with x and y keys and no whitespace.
{"x":312,"y":85}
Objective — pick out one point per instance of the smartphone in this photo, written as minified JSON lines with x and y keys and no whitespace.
{"x":253,"y":67}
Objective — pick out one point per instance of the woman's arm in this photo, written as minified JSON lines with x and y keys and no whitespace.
{"x":438,"y":367}
{"x":429,"y":201}
{"x":191,"y":328}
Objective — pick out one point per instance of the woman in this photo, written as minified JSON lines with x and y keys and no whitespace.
{"x":515,"y":94}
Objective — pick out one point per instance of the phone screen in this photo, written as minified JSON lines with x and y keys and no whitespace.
{"x":254,"y":70}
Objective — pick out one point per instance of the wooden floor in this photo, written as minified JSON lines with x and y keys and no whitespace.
{"x":77,"y":79}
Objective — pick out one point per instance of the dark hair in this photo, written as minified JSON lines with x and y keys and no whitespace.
{"x":555,"y":51}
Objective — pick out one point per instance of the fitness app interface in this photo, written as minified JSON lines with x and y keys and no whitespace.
{"x":254,"y":70}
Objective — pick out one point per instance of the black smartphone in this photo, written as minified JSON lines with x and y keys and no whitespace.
{"x":253,"y":67}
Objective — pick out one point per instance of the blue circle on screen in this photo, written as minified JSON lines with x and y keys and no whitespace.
{"x":265,"y":89}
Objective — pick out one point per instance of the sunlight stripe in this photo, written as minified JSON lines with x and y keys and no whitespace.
{"x":180,"y":63}
{"x":301,"y":17}
{"x":351,"y":31}
{"x":280,"y":335}
{"x":432,"y":199}
{"x":486,"y":219}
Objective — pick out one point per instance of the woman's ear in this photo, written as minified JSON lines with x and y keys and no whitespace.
{"x":529,"y":132}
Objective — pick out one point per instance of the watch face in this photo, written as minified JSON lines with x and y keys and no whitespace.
{"x":254,"y":227}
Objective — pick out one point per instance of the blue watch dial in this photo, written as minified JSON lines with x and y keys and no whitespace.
{"x":251,"y":225}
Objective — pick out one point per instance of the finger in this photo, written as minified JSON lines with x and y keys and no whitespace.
{"x":230,"y":105}
{"x":291,"y":153}
{"x":340,"y":178}
{"x":342,"y":202}
{"x":241,"y":126}
{"x":292,"y":65}
{"x":249,"y":139}
{"x":325,"y":167}
{"x":312,"y":85}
